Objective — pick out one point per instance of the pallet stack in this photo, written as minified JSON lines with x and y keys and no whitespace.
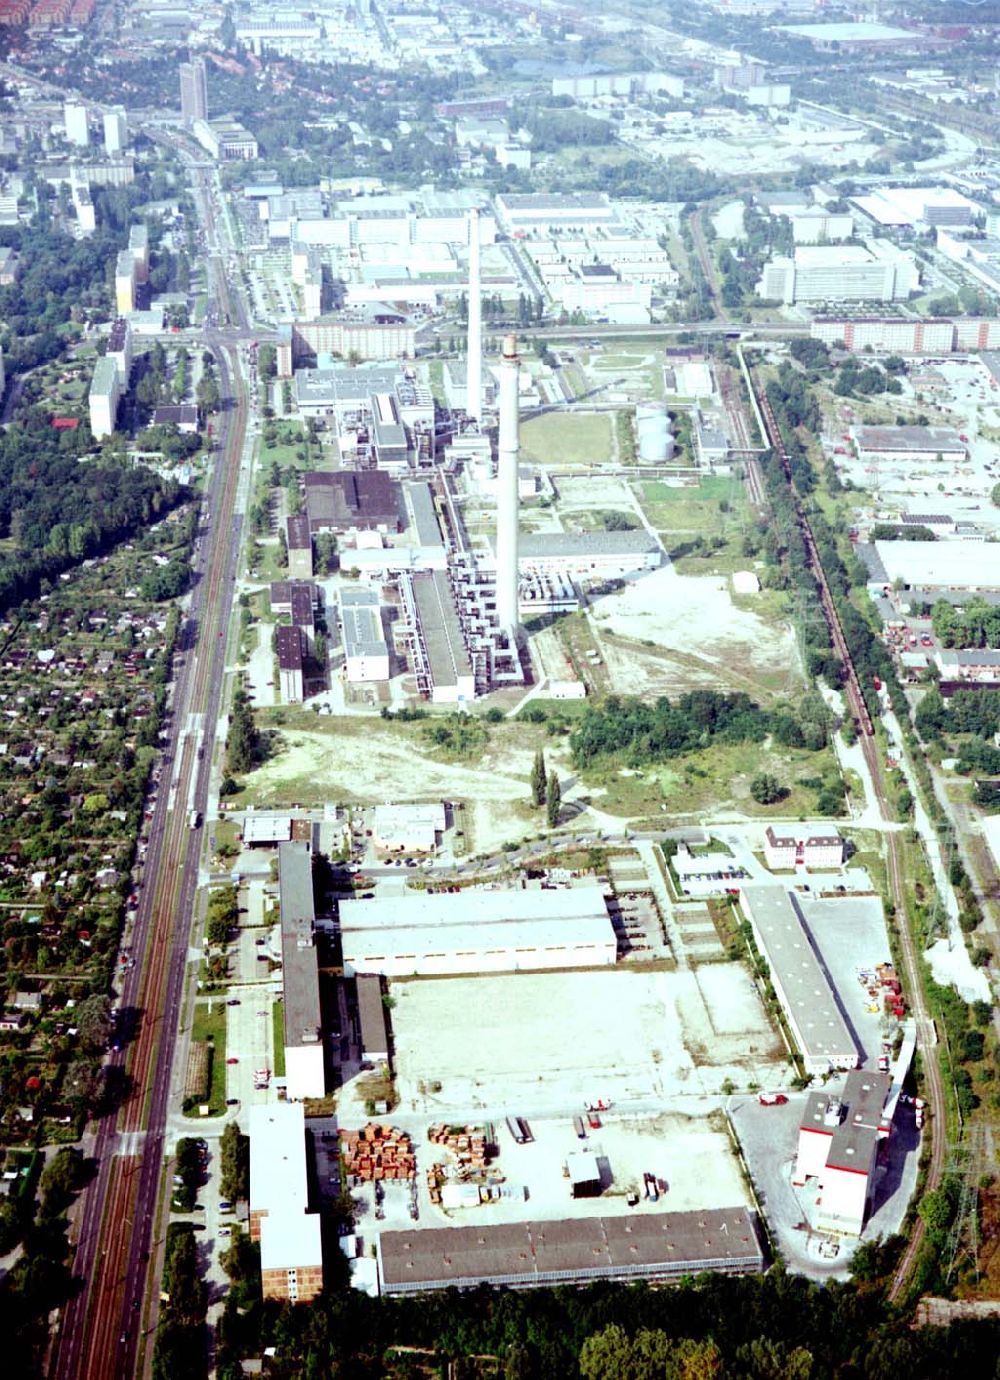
{"x":378,"y":1152}
{"x":466,"y":1143}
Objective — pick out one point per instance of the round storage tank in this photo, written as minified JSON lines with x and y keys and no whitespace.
{"x":656,"y":443}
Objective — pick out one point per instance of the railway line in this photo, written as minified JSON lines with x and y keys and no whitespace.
{"x":926,"y":1032}
{"x":99,"y":1332}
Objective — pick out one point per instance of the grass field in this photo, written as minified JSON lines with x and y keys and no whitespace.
{"x":575,"y":438}
{"x":692,"y":510}
{"x":209,"y":1024}
{"x":715,"y":780}
{"x":278,"y":1025}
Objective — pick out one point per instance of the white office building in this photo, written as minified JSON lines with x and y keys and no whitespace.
{"x":876,"y":272}
{"x":105,"y":395}
{"x":115,"y":130}
{"x":76,"y":124}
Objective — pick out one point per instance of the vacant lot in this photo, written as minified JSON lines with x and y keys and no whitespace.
{"x":692,"y":509}
{"x":567,"y":439}
{"x":371,"y":760}
{"x":674,"y":630}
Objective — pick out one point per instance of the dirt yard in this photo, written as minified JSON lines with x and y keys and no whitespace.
{"x":370,"y":761}
{"x":676,"y":632}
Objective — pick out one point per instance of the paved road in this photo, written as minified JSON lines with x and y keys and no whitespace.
{"x":115,"y":1246}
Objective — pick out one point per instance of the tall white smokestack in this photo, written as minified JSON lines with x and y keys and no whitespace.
{"x":474,"y":353}
{"x":507,"y":466}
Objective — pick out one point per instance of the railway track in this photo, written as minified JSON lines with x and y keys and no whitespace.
{"x":99,"y":1331}
{"x":926,"y":1032}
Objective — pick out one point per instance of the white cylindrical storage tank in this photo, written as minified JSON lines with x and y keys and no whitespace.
{"x":656,"y":444}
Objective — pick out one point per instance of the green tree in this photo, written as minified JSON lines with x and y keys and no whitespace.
{"x":553,"y":800}
{"x":538,"y":782}
{"x":234,"y":1158}
{"x":93,"y":1022}
{"x":243,"y":743}
{"x":767,"y":789}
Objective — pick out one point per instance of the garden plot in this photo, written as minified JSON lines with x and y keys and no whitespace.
{"x":539,"y":1044}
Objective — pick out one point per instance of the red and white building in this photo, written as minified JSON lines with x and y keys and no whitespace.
{"x":839,"y":1141}
{"x":790,"y":846}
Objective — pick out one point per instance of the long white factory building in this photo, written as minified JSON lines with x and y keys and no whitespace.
{"x":810,"y":1005}
{"x":435,"y":934}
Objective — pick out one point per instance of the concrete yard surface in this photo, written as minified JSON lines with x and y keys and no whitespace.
{"x":544,"y":1043}
{"x":849,"y":934}
{"x":692,"y":1155}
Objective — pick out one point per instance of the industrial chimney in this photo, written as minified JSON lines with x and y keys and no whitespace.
{"x":507,"y":467}
{"x":474,"y":352}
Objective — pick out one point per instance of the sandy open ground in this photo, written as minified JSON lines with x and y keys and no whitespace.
{"x":544,"y":1043}
{"x":373,"y":763}
{"x":695,"y":617}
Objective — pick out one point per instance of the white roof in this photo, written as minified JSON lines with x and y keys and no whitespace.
{"x":583,"y":1167}
{"x":267,"y":828}
{"x":472,"y":923}
{"x":291,"y":1241}
{"x":401,"y":823}
{"x":957,"y":564}
{"x":278,"y":1159}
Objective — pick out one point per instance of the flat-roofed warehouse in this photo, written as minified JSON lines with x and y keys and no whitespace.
{"x":816,"y":1021}
{"x":909,"y":443}
{"x":522,"y":1255}
{"x":955,"y":564}
{"x":586,"y":555}
{"x":433,"y":934}
{"x":303,"y":1033}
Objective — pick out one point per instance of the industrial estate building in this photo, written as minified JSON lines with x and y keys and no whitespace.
{"x":807,"y":999}
{"x":909,"y":443}
{"x":303,"y":1032}
{"x":290,"y":1236}
{"x":959,"y":564}
{"x":431,"y":934}
{"x":839,"y":1138}
{"x":522,"y":1255}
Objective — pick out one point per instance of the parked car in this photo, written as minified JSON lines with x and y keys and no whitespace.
{"x":771,"y":1099}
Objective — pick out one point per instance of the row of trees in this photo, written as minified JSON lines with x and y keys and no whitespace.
{"x":181,"y":1338}
{"x":545,"y":790}
{"x":774,"y":1327}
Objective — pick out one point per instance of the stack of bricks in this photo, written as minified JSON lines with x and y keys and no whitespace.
{"x":378,"y":1152}
{"x":467,"y":1144}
